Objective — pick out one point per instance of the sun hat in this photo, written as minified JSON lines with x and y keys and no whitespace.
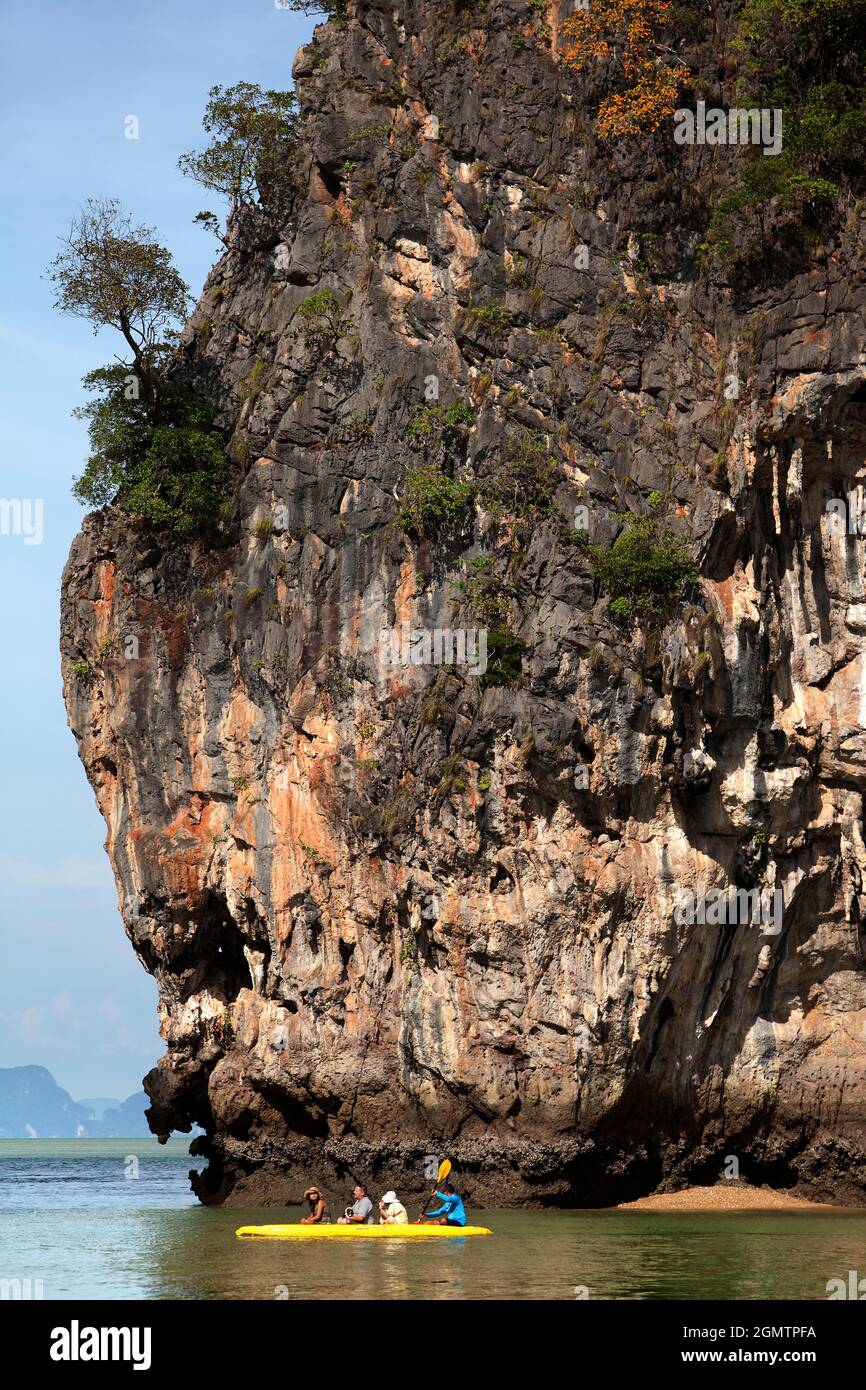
{"x":390,"y":1197}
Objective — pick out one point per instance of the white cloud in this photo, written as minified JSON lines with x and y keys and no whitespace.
{"x":63,"y":1022}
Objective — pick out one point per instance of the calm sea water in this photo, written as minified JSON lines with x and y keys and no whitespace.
{"x":73,"y":1214}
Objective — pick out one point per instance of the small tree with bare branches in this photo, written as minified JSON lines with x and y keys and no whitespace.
{"x":154,"y":447}
{"x":116,"y":275}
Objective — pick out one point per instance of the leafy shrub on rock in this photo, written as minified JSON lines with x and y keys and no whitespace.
{"x":334,"y":9}
{"x":623,"y":38}
{"x":644,"y":572}
{"x":166,"y":467}
{"x":522,"y":482}
{"x":324,"y":322}
{"x":442,"y":421}
{"x":485,"y":592}
{"x":253,"y":138}
{"x":806,"y":58}
{"x":431,"y":496}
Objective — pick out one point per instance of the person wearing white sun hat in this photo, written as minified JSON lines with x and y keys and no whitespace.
{"x":391,"y":1211}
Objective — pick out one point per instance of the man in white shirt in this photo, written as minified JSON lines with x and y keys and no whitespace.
{"x":392,"y":1212}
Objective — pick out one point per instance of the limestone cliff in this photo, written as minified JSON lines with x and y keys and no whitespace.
{"x":396,"y":910}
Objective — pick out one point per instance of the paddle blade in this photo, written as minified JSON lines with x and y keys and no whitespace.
{"x":444,"y":1170}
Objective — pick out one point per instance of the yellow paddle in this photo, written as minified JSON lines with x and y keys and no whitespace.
{"x":444,"y":1170}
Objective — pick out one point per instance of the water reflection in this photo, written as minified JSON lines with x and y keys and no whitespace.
{"x":532,"y":1255}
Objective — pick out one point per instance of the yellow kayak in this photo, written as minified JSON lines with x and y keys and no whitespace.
{"x":358,"y":1232}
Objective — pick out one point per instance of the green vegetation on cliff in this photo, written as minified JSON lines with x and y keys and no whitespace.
{"x":154,"y":448}
{"x":166,"y":466}
{"x":253,"y":134}
{"x":334,"y":9}
{"x":486,"y":595}
{"x":431,"y":496}
{"x":644,"y":572}
{"x":806,"y":58}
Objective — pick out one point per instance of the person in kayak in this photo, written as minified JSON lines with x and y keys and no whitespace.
{"x":451,"y":1212}
{"x":391,"y":1211}
{"x":320,"y":1214}
{"x":360,"y":1213}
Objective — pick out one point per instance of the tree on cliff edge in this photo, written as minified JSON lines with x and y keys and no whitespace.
{"x":334,"y":9}
{"x":116,"y":275}
{"x":250,"y":153}
{"x":154,"y":448}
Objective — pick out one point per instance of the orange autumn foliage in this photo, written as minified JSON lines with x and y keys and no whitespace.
{"x":641,"y":109}
{"x":624,"y":34}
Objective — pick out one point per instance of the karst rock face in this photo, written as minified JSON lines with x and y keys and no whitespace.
{"x":396,"y":910}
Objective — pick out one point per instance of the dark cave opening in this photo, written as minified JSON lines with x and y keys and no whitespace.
{"x":221,"y":963}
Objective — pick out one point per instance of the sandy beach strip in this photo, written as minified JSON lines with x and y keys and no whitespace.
{"x":729,"y":1196}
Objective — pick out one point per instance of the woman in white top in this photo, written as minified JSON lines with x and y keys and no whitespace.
{"x":392,"y":1212}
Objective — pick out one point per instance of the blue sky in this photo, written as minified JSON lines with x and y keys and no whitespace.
{"x":73,"y":997}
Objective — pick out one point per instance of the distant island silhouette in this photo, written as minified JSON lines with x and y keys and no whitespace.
{"x":34,"y":1106}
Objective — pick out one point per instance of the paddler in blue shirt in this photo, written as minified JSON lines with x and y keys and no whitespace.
{"x":451,"y":1212}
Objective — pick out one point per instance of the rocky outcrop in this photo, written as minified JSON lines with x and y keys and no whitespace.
{"x":401,"y":910}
